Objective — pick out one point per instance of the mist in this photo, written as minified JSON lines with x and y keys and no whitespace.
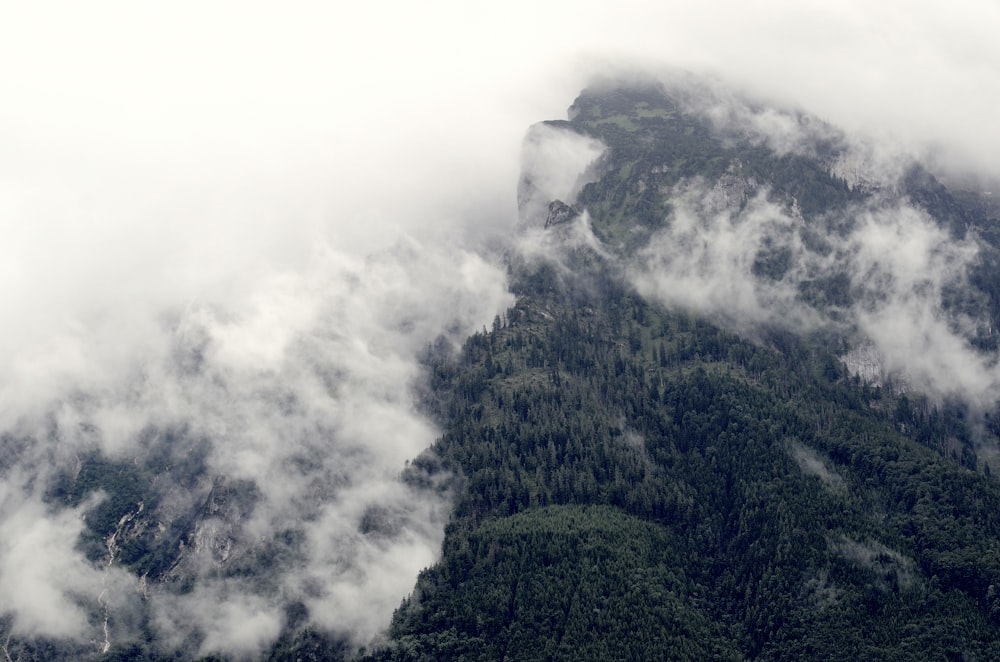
{"x":228,"y":231}
{"x":896,"y":262}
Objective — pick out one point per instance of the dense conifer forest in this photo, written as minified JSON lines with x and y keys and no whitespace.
{"x":637,"y":482}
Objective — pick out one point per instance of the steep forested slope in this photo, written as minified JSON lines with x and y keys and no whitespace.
{"x":640,"y":483}
{"x":753,"y":501}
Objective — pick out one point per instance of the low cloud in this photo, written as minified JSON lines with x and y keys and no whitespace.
{"x":728,"y":251}
{"x":704,"y":259}
{"x":556,"y":163}
{"x":225,"y":621}
{"x":307,"y":398}
{"x":892,"y":569}
{"x":48,"y":587}
{"x":904,"y":263}
{"x":873,"y":159}
{"x":881,"y":271}
{"x":811,"y":463}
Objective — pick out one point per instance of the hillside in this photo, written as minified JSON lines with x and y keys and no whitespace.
{"x":646,"y":477}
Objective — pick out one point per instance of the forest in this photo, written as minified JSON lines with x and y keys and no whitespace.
{"x":643,"y":482}
{"x":640,"y":484}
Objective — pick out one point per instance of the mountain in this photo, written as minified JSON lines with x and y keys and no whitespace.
{"x":744,"y":407}
{"x":663,"y":449}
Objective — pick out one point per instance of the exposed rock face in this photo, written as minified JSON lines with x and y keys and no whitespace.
{"x":865,"y":361}
{"x":732,"y":190}
{"x":868,"y":363}
{"x":556,"y":164}
{"x":560,"y":212}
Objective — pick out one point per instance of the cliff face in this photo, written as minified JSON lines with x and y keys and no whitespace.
{"x":555,"y":166}
{"x":866,"y":362}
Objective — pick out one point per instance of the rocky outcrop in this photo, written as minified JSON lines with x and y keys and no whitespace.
{"x":560,"y":212}
{"x":866,"y":362}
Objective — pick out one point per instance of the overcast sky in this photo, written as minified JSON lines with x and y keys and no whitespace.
{"x":231,"y":165}
{"x":288,"y":119}
{"x":224,"y":133}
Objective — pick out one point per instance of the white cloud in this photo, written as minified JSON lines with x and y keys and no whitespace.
{"x":703,"y":260}
{"x":555,"y":164}
{"x":900,"y":262}
{"x":238,"y":625}
{"x":48,"y":587}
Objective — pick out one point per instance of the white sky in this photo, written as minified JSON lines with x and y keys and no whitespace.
{"x":370,"y":109}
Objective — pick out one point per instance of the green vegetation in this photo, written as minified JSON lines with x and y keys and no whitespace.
{"x":560,"y":582}
{"x":640,"y":484}
{"x":728,"y":499}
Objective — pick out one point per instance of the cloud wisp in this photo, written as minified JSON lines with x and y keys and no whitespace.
{"x":307,"y":399}
{"x":892,"y":265}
